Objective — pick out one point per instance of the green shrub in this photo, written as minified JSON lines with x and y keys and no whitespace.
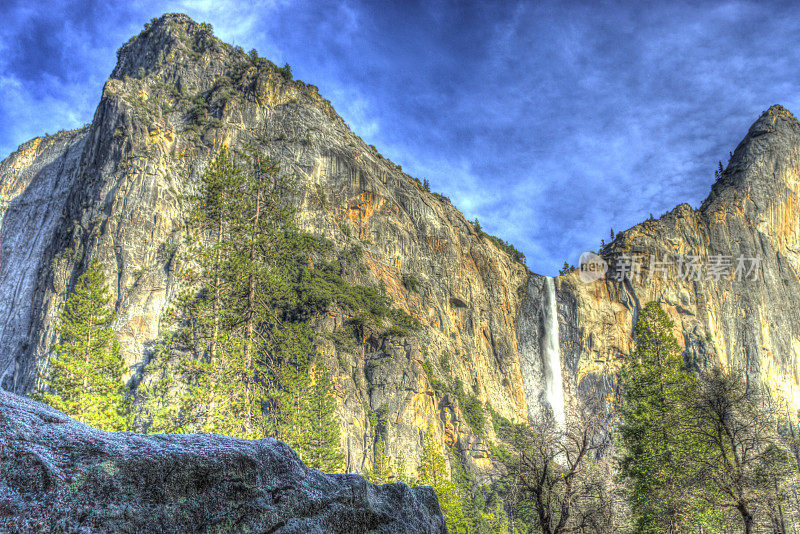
{"x":471,"y":409}
{"x":508,"y":248}
{"x":428,"y":368}
{"x":411,"y":283}
{"x":435,"y":384}
{"x":319,"y":286}
{"x":502,"y":426}
{"x":444,"y":361}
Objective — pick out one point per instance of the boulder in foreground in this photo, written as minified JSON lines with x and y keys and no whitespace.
{"x":59,"y":475}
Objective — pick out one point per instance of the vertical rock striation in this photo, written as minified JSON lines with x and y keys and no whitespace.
{"x":35,"y":184}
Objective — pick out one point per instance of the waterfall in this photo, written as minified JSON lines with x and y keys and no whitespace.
{"x":552,"y":356}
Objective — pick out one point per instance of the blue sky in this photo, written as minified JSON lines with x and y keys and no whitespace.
{"x":549,"y":122}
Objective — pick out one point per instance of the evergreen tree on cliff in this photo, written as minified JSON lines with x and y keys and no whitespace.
{"x":322,"y":446}
{"x":245,"y":357}
{"x":655,"y":413}
{"x":84,"y":380}
{"x":381,"y":472}
{"x":433,"y":472}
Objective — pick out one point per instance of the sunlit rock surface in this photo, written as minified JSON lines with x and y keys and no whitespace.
{"x":746,"y":322}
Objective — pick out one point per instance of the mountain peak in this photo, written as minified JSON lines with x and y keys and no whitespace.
{"x":762,"y":165}
{"x":177,"y":64}
{"x":173,"y":36}
{"x":772,"y":119}
{"x":775,"y":127}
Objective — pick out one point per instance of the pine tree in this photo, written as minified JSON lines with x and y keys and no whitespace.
{"x":433,"y":472}
{"x":159,"y":407}
{"x":381,"y":472}
{"x":321,"y":447}
{"x":655,"y":409}
{"x":217,"y":375}
{"x":289,"y":398}
{"x":212,"y":216}
{"x":216,"y":400}
{"x":84,"y":380}
{"x":223,"y":384}
{"x":400,"y":469}
{"x":246,"y":362}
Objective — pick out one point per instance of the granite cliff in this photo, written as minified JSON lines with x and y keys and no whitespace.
{"x":727,"y":273}
{"x":518,"y":342}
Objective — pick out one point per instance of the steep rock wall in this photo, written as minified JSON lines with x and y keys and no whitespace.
{"x":35,"y":183}
{"x":176,"y":97}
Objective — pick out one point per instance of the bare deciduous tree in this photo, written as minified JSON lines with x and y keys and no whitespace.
{"x":745,"y":462}
{"x":559,"y":481}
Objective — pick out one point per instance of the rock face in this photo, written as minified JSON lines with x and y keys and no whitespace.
{"x":59,"y":475}
{"x":178,"y":95}
{"x":744,"y":321}
{"x":36,"y":182}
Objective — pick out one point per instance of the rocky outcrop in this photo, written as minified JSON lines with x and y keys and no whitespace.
{"x":747,"y":321}
{"x":113,"y":191}
{"x":59,"y":475}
